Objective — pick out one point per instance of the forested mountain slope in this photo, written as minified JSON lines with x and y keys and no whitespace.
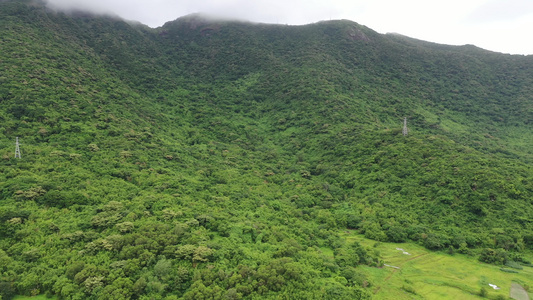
{"x":211,"y":158}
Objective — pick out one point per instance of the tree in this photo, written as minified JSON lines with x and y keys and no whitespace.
{"x":162,"y":268}
{"x":120,"y":289}
{"x":493,"y":256}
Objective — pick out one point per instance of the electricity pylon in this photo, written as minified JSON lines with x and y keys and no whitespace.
{"x":17,"y":148}
{"x":405,"y":130}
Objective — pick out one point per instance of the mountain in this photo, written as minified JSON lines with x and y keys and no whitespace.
{"x":215,"y":158}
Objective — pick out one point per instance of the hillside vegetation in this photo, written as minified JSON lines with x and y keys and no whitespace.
{"x":212,"y":159}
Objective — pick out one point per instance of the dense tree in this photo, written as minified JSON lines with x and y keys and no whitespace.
{"x":219,"y":159}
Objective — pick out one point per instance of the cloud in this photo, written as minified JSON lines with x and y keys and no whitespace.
{"x":454,"y":22}
{"x":502,"y":10}
{"x":156,"y":12}
{"x":96,"y":6}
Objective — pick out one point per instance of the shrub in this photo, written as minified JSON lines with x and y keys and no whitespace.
{"x":483,"y":292}
{"x":409,"y":289}
{"x":492,"y":256}
{"x":514,"y":265}
{"x":397,"y":234}
{"x":508,"y":270}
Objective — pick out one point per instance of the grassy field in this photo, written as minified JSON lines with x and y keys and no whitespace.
{"x":422,"y":274}
{"x":38,"y":297}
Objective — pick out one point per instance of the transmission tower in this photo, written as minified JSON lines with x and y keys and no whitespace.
{"x":405,"y":130}
{"x":17,"y":148}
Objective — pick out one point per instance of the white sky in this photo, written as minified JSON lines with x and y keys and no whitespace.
{"x":498,"y":25}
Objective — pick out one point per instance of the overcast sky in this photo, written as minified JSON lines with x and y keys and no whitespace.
{"x":498,"y":25}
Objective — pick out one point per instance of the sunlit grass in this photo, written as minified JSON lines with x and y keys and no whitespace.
{"x":435,"y":275}
{"x":38,"y":297}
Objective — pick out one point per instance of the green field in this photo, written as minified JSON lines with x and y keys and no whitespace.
{"x":38,"y":297}
{"x":423,"y":274}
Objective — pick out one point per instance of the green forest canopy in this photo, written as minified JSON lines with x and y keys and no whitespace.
{"x":222,"y":159}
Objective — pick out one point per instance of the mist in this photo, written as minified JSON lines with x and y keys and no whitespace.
{"x":452,"y":22}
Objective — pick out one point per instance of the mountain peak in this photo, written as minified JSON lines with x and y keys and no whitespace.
{"x":197,"y":19}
